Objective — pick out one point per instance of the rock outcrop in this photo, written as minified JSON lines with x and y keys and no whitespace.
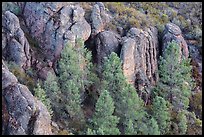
{"x":173,"y":32}
{"x":139,"y":57}
{"x":54,"y":24}
{"x":106,"y":42}
{"x":99,"y":18}
{"x":22,"y":113}
{"x":196,"y":62}
{"x":15,"y":46}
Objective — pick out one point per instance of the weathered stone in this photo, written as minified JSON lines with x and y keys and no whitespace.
{"x":15,"y":45}
{"x":139,"y":57}
{"x":23,"y":112}
{"x":173,"y":33}
{"x":78,"y":14}
{"x":99,"y":18}
{"x":106,"y":42}
{"x":51,"y":23}
{"x":7,"y":77}
{"x":174,"y":29}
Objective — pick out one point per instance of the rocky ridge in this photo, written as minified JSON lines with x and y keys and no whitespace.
{"x":53,"y":25}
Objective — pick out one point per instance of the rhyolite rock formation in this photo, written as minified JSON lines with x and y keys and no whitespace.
{"x":99,"y":18}
{"x":106,"y":42}
{"x":173,"y":33}
{"x":54,"y":24}
{"x":15,"y":46}
{"x":22,"y":113}
{"x":35,"y":37}
{"x":139,"y":58}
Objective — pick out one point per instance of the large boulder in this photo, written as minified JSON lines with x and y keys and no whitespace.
{"x":139,"y":57}
{"x":106,"y":42}
{"x":173,"y":33}
{"x":54,"y":24}
{"x":15,"y":46}
{"x":22,"y":113}
{"x":99,"y":18}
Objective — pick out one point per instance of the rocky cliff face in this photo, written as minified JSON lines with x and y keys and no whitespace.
{"x":99,"y":18}
{"x":139,"y":56}
{"x":173,"y":32}
{"x":54,"y":24}
{"x":106,"y":42}
{"x":22,"y":113}
{"x":15,"y":45}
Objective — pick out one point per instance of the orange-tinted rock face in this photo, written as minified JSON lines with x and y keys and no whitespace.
{"x":139,"y":57}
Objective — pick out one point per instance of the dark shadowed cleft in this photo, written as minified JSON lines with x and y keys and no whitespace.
{"x":31,"y":122}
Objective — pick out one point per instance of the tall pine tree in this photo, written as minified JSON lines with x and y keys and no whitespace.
{"x":161,"y":113}
{"x":175,"y":85}
{"x":129,"y":107}
{"x":104,"y":123}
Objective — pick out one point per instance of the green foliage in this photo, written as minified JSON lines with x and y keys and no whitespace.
{"x":175,"y":86}
{"x":129,"y":129}
{"x":161,"y":114}
{"x":75,"y":76}
{"x":70,"y":81}
{"x":127,"y":16}
{"x":175,"y":77}
{"x":104,"y":121}
{"x":133,"y":110}
{"x":129,"y":107}
{"x":153,"y":128}
{"x":51,"y":85}
{"x":182,"y":123}
{"x":52,"y":90}
{"x":41,"y":95}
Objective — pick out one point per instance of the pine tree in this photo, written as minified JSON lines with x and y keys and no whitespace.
{"x":74,"y":73}
{"x":51,"y":84}
{"x":41,"y":95}
{"x":182,"y":123}
{"x":161,"y":114}
{"x":52,"y":90}
{"x":129,"y":107}
{"x":129,"y":129}
{"x":175,"y":78}
{"x":104,"y":123}
{"x":153,"y":128}
{"x":175,"y":85}
{"x":71,"y":82}
{"x":133,"y":110}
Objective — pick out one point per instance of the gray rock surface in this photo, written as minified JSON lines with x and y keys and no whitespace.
{"x":139,"y":57}
{"x":23,"y":113}
{"x":173,"y":33}
{"x":54,"y":24}
{"x":14,"y":43}
{"x":106,"y":42}
{"x":99,"y":18}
